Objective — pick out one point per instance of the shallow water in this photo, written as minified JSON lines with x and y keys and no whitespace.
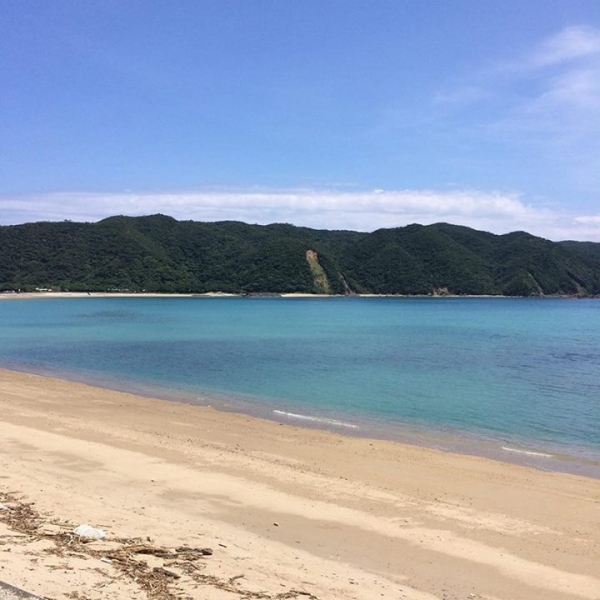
{"x":517,"y":379}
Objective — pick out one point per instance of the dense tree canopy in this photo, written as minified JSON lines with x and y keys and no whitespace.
{"x":159,"y":254}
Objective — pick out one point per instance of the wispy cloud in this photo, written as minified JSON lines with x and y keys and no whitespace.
{"x":545,"y":104}
{"x":571,"y":43}
{"x":565,"y":110}
{"x":589,"y":220}
{"x":497,"y":212}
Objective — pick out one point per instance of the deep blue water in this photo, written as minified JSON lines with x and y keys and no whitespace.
{"x":489,"y":373}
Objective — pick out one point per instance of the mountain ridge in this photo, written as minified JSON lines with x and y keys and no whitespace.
{"x":157,"y":253}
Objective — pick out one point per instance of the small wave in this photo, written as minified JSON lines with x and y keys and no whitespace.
{"x":528,"y":452}
{"x":325,"y":421}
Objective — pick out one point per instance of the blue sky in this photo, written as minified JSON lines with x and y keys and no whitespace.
{"x":326,"y":113}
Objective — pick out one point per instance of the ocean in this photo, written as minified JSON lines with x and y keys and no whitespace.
{"x":512,"y":379}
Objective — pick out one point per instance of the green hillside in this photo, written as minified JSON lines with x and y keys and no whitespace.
{"x":159,"y":254}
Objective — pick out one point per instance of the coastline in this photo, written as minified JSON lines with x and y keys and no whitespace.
{"x":288,"y":508}
{"x":579,"y":455}
{"x":579,"y":461}
{"x":291,"y":295}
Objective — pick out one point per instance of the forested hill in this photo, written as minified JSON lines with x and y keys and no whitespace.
{"x":159,"y":254}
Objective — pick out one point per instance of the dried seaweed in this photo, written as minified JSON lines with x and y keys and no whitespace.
{"x":158,"y":582}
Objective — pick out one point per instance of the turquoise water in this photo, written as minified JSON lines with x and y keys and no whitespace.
{"x":516,"y":379}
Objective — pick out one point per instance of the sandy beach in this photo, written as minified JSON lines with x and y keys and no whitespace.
{"x":286,"y":512}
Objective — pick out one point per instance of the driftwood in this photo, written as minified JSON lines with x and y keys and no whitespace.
{"x":159,"y":583}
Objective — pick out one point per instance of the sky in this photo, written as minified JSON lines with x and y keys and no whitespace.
{"x":333,"y":114}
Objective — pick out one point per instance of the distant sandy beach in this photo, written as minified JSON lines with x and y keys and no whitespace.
{"x":30,"y":295}
{"x":286,"y":512}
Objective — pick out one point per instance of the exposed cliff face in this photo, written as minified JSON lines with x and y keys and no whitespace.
{"x":158,"y":253}
{"x":321,"y":282}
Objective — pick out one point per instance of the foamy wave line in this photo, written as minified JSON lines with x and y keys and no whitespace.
{"x":315,"y":419}
{"x":528,"y":452}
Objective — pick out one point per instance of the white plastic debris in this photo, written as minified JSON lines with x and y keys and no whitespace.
{"x":89,"y":532}
{"x":3,"y":507}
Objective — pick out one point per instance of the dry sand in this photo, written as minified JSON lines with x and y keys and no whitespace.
{"x":288,"y":512}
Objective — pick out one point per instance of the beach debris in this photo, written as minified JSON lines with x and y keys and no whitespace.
{"x":166,"y":572}
{"x":201,"y":551}
{"x":3,"y":507}
{"x":186,"y":564}
{"x":89,"y":532}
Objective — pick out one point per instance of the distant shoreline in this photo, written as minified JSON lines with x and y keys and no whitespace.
{"x":32,"y":295}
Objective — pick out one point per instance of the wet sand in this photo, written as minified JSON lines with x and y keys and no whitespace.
{"x":288,"y":512}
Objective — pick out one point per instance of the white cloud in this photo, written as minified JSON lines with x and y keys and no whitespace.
{"x":589,"y":219}
{"x":571,"y":43}
{"x":564,"y":68}
{"x":578,"y":88}
{"x":563,"y":112}
{"x":325,"y":209}
{"x":574,"y":54}
{"x":542,"y":106}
